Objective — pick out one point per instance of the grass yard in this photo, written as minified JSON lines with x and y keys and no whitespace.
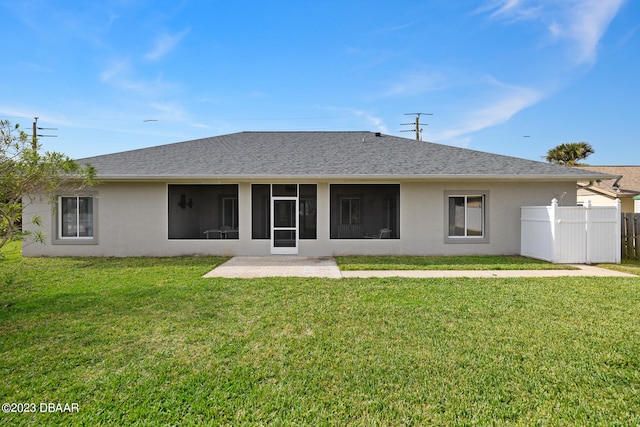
{"x":148,"y":342}
{"x":445,"y":263}
{"x":627,"y":265}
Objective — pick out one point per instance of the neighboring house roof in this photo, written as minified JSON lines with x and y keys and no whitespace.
{"x":628,"y":185}
{"x":317,"y":155}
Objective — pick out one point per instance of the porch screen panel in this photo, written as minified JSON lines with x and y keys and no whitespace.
{"x":260,"y":211}
{"x":200,"y":211}
{"x":308,"y":211}
{"x":360,"y":211}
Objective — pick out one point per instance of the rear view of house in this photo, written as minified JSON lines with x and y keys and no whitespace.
{"x":308,"y":193}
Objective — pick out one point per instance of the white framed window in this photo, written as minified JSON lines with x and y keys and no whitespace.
{"x":75,"y":217}
{"x":466,"y":217}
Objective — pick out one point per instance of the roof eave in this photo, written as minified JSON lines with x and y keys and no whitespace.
{"x":355,"y":177}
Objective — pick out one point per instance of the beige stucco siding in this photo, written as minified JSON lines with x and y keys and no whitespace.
{"x":626,"y":203}
{"x":132,"y":220}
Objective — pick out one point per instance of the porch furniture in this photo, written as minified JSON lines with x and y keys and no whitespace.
{"x":211,"y":234}
{"x":221,"y":233}
{"x":383,"y":233}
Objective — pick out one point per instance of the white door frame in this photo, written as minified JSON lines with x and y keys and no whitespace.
{"x":287,"y":250}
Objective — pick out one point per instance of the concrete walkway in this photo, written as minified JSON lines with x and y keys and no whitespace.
{"x":297,"y":266}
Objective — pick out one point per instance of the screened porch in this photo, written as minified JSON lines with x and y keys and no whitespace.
{"x":365,"y":211}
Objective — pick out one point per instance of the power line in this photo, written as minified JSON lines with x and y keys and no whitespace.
{"x":36,"y":135}
{"x":418,"y":129}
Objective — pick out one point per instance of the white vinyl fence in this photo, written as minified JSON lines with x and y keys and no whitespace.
{"x":571,"y":234}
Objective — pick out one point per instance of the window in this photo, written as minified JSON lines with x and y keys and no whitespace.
{"x":75,"y":217}
{"x":466,"y":217}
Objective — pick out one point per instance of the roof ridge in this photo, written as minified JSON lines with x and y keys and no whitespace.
{"x":307,"y":131}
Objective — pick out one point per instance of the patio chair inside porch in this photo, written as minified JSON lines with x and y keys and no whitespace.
{"x":383,"y":233}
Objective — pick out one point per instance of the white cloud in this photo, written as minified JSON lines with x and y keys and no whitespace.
{"x":582,"y":23}
{"x":115,"y":70}
{"x":24,"y":116}
{"x":200,"y":126}
{"x":515,"y":10}
{"x":376,"y":122}
{"x":588,"y":22}
{"x":512,"y":100}
{"x":165,"y":44}
{"x":121,"y":75}
{"x":415,"y":83}
{"x":371,"y":120}
{"x":170,"y":110}
{"x":503,"y":109}
{"x":399,"y":27}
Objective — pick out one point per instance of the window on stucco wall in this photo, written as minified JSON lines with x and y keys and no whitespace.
{"x":466,"y":215}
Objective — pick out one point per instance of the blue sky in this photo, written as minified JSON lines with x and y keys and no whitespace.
{"x":490,"y":71}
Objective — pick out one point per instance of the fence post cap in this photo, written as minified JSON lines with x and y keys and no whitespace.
{"x":587,"y":204}
{"x":554,"y":202}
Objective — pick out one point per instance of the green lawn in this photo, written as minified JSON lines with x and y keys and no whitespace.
{"x":627,"y":265}
{"x":445,"y":263}
{"x":148,"y":342}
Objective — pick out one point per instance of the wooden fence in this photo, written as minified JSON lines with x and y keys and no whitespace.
{"x":630,"y":235}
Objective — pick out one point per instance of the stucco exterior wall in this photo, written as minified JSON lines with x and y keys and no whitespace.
{"x":132,"y":220}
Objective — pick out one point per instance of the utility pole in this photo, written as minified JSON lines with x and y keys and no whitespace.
{"x":34,"y":141}
{"x":417,"y":123}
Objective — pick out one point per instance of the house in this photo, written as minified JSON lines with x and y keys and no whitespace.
{"x":307,"y":193}
{"x":625,"y":186}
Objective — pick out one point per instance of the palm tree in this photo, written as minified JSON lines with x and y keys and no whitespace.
{"x":569,"y":154}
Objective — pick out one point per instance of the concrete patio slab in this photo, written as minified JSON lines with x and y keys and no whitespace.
{"x":277,"y":266}
{"x":297,"y":266}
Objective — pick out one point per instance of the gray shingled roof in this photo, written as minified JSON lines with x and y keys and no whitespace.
{"x":320,"y":155}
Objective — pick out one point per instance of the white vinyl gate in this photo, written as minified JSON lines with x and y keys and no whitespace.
{"x":571,"y":234}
